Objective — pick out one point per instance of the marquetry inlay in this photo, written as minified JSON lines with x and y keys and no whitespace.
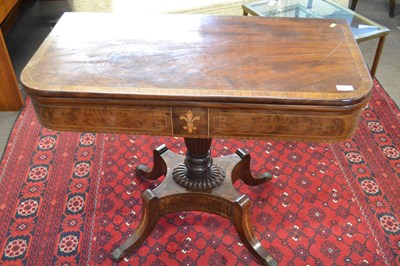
{"x":161,"y":120}
{"x":219,"y":122}
{"x":190,"y":119}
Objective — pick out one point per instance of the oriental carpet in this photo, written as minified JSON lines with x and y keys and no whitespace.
{"x":70,"y":198}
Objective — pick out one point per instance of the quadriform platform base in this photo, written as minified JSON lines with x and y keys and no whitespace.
{"x":199,"y":192}
{"x":199,"y":77}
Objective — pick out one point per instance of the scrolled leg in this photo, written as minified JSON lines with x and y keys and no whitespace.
{"x":241,"y":221}
{"x":146,"y":226}
{"x":159,"y":166}
{"x":242,"y":171}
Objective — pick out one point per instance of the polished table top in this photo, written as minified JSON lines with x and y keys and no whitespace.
{"x":200,"y":76}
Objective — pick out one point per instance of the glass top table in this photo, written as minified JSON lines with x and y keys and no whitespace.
{"x":363,"y":29}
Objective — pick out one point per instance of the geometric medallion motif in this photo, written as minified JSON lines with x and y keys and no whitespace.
{"x":15,"y":248}
{"x":68,"y":244}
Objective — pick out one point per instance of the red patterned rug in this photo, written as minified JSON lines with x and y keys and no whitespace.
{"x":70,"y":198}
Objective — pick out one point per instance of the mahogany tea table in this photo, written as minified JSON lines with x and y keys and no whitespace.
{"x":199,"y":77}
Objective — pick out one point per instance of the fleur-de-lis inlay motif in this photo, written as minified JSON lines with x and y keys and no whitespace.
{"x":189,"y":118}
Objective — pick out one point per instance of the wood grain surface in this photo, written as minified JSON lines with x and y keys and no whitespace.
{"x":5,"y":8}
{"x":10,"y":94}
